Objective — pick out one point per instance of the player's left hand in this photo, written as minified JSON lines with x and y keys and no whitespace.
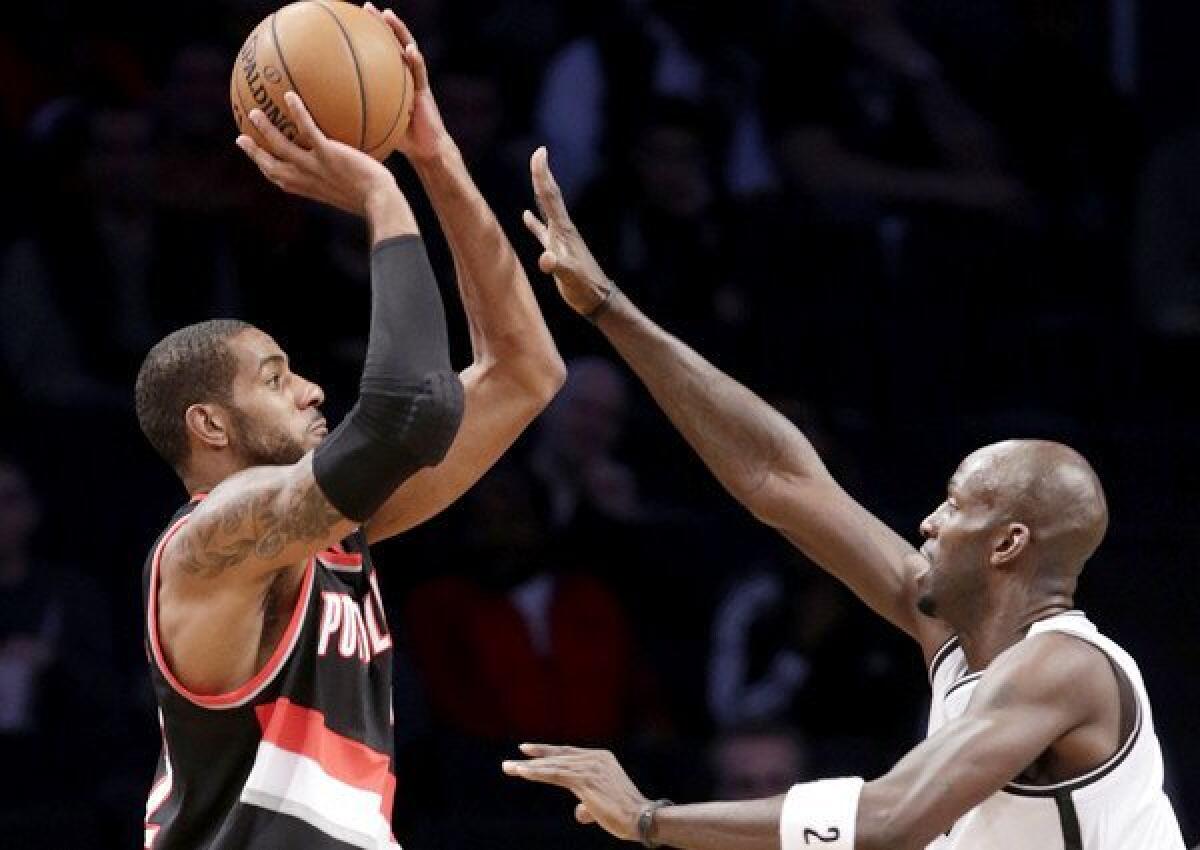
{"x":426,"y":133}
{"x":607,"y":796}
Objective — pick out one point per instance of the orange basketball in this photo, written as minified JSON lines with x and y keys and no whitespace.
{"x":345,"y":64}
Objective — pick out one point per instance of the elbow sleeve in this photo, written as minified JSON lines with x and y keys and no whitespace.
{"x":389,"y":436}
{"x":410,"y":404}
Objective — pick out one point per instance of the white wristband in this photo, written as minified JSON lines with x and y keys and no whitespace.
{"x":820,"y":815}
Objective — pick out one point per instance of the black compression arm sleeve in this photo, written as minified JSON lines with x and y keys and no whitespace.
{"x":410,"y":401}
{"x":408,"y":324}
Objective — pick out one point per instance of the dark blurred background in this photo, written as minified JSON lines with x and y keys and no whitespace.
{"x":915,"y":226}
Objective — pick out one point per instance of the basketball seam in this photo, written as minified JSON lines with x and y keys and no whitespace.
{"x":399,"y":112}
{"x":287,"y":71}
{"x":362,"y":89}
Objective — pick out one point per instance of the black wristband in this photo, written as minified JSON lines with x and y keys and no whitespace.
{"x":645,"y":821}
{"x":596,"y":312}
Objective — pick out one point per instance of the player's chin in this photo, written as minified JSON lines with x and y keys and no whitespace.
{"x":313,"y":437}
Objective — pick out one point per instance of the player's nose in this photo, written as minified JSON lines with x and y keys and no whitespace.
{"x":311,"y":396}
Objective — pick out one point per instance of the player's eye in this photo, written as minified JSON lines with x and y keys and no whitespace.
{"x":274,"y":382}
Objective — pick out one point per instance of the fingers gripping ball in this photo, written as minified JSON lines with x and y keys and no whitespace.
{"x":344,"y":63}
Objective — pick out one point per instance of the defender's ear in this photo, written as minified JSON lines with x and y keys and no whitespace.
{"x":1011,"y":544}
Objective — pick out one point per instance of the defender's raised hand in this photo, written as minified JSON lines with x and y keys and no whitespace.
{"x":581,"y":281}
{"x":607,"y":796}
{"x":426,"y":132}
{"x":315,"y":166}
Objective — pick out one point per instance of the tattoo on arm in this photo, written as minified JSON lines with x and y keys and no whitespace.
{"x":256,"y":524}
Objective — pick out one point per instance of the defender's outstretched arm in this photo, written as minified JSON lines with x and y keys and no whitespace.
{"x":760,"y":457}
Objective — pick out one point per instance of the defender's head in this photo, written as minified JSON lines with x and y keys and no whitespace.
{"x":1021,"y":514}
{"x":217,"y":397}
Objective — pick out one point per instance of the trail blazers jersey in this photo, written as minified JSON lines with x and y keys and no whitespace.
{"x":301,"y":756}
{"x":1118,"y":806}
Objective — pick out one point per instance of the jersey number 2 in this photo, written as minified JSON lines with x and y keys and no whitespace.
{"x":810,"y":834}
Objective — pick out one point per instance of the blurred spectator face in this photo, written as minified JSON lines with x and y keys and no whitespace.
{"x":672,"y":170}
{"x":507,"y":529}
{"x":119,"y":160}
{"x":197,"y":94}
{"x":504,"y":515}
{"x":586,"y":420}
{"x":471,"y":107}
{"x":748,"y":766}
{"x":18,"y":508}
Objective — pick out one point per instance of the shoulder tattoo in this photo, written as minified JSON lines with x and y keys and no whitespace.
{"x":255,"y":524}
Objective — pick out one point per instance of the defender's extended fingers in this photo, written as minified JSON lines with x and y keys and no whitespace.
{"x":308,"y":133}
{"x":549,"y":771}
{"x":544,"y":750}
{"x":548,"y":262}
{"x":536,"y":227}
{"x":546,"y":189}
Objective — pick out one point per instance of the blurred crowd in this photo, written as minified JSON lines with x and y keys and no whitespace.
{"x":913,"y":225}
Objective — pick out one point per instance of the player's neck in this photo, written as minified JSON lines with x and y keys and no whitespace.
{"x":202,"y":478}
{"x":1003,"y":627}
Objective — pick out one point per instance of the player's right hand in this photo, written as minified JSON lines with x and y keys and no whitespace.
{"x":607,"y":796}
{"x":315,"y":166}
{"x":581,"y":281}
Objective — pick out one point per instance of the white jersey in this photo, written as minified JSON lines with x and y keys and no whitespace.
{"x":1120,"y":805}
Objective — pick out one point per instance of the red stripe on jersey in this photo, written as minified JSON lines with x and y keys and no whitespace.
{"x":303,"y":731}
{"x":389,"y":797}
{"x":341,"y":559}
{"x":263,"y":677}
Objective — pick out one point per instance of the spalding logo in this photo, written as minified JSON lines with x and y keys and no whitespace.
{"x":258,"y":89}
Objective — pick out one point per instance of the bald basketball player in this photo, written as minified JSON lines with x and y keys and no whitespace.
{"x":1040,"y":733}
{"x":268,"y":643}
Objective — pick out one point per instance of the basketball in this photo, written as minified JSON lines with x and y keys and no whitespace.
{"x":343,"y":62}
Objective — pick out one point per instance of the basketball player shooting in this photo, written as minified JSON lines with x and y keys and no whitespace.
{"x":268,"y":645}
{"x":1040,"y":732}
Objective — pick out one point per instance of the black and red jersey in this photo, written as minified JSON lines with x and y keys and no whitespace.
{"x":300,"y":756}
